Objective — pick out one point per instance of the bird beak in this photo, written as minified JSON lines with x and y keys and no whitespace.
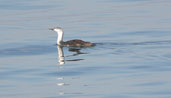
{"x":51,"y":28}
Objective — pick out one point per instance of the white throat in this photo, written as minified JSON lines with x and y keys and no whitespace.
{"x":60,"y":36}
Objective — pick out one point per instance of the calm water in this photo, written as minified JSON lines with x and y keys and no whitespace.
{"x":131,"y":59}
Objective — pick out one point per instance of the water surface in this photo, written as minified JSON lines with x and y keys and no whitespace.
{"x":131,"y":59}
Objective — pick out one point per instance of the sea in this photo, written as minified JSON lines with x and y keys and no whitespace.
{"x":131,"y":58}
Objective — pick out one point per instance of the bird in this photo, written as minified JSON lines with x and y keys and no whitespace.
{"x":70,"y":43}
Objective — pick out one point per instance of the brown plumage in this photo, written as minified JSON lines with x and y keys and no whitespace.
{"x":77,"y":43}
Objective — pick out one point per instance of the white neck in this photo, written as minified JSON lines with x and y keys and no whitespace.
{"x":60,"y":36}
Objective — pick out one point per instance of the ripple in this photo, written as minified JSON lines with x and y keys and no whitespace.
{"x":27,"y":50}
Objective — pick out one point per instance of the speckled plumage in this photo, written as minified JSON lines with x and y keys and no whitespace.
{"x":77,"y":43}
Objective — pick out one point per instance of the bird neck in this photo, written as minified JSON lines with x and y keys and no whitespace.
{"x":60,"y":37}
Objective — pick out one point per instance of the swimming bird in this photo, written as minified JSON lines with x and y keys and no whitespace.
{"x":72,"y":43}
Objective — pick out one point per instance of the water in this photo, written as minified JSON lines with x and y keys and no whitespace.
{"x":131,"y":59}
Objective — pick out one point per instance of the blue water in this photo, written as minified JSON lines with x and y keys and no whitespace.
{"x":131,"y":59}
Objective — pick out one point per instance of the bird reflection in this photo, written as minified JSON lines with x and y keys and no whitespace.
{"x":61,"y":61}
{"x":61,"y":57}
